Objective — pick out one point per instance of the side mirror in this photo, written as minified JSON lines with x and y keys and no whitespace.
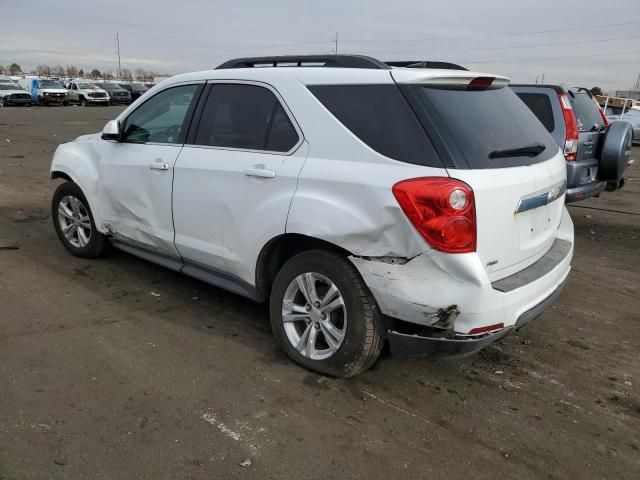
{"x":111,"y":131}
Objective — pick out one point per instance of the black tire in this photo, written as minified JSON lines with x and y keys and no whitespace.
{"x":98,"y":243}
{"x":616,"y":151}
{"x":1,"y":102}
{"x":362,"y":342}
{"x":83,"y":102}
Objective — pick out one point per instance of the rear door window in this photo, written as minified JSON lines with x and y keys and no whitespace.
{"x":380,"y":116}
{"x":481,"y":123}
{"x":247,"y":117}
{"x":540,"y":105}
{"x":586,"y":110}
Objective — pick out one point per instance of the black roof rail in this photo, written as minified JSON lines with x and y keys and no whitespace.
{"x":344,"y":61}
{"x":425,"y":64}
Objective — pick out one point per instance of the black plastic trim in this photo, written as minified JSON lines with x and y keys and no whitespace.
{"x":206,"y":274}
{"x":556,"y":254}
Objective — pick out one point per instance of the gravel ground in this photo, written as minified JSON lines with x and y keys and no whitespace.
{"x":101,"y":378}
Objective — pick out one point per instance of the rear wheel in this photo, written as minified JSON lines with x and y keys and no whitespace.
{"x":322,"y":315}
{"x":74,"y":224}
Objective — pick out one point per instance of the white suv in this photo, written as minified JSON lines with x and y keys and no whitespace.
{"x":424,"y":207}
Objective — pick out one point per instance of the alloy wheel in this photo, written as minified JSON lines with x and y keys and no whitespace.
{"x":314,"y":316}
{"x":74,"y":221}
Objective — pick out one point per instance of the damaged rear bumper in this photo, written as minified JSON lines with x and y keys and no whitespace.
{"x":412,"y":346}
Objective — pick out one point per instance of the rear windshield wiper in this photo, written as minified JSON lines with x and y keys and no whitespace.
{"x":532,"y":150}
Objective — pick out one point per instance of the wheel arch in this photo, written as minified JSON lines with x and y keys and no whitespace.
{"x":279,"y":249}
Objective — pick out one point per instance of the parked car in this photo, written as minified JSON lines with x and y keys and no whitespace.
{"x":44,"y":91}
{"x":631,"y":115}
{"x":356,"y":200}
{"x":87,"y":93}
{"x":117,"y":94}
{"x":13,"y":94}
{"x":597,"y":153}
{"x":135,"y":89}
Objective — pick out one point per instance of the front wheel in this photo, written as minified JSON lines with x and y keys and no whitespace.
{"x":74,"y":224}
{"x":322,"y":315}
{"x":83,"y":102}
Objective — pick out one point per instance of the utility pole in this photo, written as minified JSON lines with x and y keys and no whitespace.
{"x":542,"y":81}
{"x":118,"y":46}
{"x":537,"y":79}
{"x":336,"y":42}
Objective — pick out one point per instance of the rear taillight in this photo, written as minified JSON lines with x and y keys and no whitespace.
{"x":442,"y":210}
{"x":571,"y":126}
{"x":605,"y":122}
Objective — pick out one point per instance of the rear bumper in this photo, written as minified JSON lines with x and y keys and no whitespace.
{"x":453,"y":294}
{"x":586,"y":191}
{"x":412,"y":346}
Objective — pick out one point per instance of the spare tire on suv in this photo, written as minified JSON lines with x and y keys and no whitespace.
{"x":616,"y":150}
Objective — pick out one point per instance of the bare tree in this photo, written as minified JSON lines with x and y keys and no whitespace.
{"x":58,"y":70}
{"x":141,"y":74}
{"x":43,"y":70}
{"x":14,"y":69}
{"x":72,"y":71}
{"x":126,"y":74}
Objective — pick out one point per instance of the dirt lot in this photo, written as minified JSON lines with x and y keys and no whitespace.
{"x":101,"y":378}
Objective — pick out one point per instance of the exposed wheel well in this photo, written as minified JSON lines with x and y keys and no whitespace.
{"x":280,"y":249}
{"x":57,"y":174}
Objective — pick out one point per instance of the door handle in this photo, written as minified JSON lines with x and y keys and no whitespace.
{"x":259,"y":172}
{"x":159,"y":165}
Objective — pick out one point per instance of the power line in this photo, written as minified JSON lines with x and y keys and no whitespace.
{"x":472,"y":37}
{"x":515,"y":34}
{"x":632,"y":52}
{"x":509,"y":47}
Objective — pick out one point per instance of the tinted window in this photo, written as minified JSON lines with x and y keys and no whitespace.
{"x":247,"y":117}
{"x":586,"y":110}
{"x":381,"y":117}
{"x":540,"y":105}
{"x":481,"y":122}
{"x":160,"y":119}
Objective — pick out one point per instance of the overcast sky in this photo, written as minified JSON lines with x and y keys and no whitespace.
{"x":586,"y":42}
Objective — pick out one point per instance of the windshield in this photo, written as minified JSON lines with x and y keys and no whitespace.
{"x":109,"y":86}
{"x":50,"y":84}
{"x":485,"y":125}
{"x":586,"y":110}
{"x":6,"y":86}
{"x":86,"y":86}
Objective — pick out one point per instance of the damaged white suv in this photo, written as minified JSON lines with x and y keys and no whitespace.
{"x":368,"y":203}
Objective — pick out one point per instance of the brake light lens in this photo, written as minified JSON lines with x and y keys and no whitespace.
{"x":571,"y":126}
{"x":442,"y":210}
{"x":480,"y":83}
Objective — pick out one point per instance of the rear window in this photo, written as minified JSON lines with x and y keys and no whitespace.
{"x":481,"y":123}
{"x":380,"y":116}
{"x":540,"y":105}
{"x":586,"y":110}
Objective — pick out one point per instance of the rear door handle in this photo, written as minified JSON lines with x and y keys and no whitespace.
{"x":159,"y":165}
{"x":259,"y":172}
